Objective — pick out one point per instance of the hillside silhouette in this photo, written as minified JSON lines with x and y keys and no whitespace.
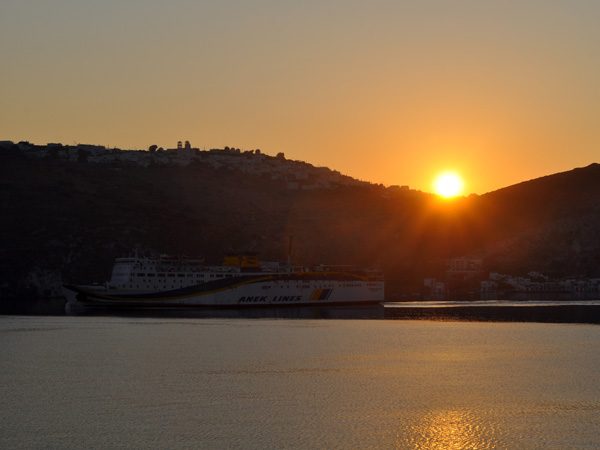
{"x":68,"y":221}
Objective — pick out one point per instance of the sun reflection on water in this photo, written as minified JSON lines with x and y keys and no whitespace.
{"x":449,"y":430}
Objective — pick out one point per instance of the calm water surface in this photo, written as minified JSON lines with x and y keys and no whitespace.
{"x":144,"y":382}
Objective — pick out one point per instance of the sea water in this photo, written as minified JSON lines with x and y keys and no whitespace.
{"x":219,"y":383}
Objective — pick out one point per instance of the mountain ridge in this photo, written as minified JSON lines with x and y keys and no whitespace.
{"x":67,"y":221}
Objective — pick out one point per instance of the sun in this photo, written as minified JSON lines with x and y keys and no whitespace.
{"x":448,"y":185}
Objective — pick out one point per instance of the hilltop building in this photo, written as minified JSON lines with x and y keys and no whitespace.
{"x":297,"y":175}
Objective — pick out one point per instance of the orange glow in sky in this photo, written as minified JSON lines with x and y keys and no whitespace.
{"x":389,"y":92}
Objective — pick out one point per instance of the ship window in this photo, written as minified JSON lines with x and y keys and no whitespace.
{"x":171,"y":275}
{"x":151,"y":275}
{"x":190,"y":275}
{"x":160,"y":274}
{"x":141,"y":274}
{"x":219,"y":276}
{"x":181,"y":275}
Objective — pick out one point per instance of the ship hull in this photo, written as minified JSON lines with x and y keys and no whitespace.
{"x":243,"y":291}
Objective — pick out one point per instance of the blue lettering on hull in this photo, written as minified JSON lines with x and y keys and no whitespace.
{"x":253,"y":299}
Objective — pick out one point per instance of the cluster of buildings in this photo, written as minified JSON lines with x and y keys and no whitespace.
{"x":296,"y":174}
{"x":535,"y":282}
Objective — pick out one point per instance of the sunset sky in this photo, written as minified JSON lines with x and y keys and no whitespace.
{"x":391,"y":92}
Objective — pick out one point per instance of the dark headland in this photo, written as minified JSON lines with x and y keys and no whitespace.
{"x":67,"y":214}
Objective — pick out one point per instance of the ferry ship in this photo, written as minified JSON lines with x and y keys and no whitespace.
{"x":240,"y":281}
